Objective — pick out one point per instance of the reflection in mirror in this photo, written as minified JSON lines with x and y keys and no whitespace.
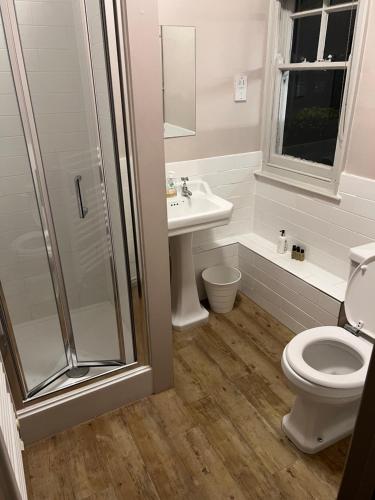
{"x":178,"y":56}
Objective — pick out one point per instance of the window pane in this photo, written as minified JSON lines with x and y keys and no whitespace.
{"x":308,"y":5}
{"x":338,"y":2}
{"x":340,"y":32}
{"x":312,"y":114}
{"x":305,"y":39}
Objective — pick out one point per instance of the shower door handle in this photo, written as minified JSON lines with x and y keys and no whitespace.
{"x":82,"y":210}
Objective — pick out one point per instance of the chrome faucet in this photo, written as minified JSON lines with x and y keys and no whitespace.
{"x":185,"y":191}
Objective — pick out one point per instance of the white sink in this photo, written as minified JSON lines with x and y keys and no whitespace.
{"x":202,"y":210}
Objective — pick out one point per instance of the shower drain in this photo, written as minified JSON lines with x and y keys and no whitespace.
{"x":77,"y":372}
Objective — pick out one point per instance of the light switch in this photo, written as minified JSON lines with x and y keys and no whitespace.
{"x":240,"y":88}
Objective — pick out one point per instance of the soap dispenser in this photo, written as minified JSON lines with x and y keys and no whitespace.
{"x":171,"y":186}
{"x":282,"y":245}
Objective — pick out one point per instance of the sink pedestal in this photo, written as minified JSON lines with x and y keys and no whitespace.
{"x":186,"y":308}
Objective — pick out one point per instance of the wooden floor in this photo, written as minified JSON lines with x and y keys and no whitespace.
{"x":215,"y":436}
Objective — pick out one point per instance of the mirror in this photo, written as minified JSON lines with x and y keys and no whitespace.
{"x":178,"y":59}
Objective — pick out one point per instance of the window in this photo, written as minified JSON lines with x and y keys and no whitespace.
{"x":315,"y":60}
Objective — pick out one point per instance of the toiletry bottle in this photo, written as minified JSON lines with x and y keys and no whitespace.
{"x":298,"y":252}
{"x":282,"y":245}
{"x":171,"y":186}
{"x":294,"y":250}
{"x":302,"y":256}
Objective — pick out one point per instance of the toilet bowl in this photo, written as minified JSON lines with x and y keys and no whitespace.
{"x":326,"y":368}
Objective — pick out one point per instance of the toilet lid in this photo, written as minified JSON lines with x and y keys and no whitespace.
{"x":360,"y":297}
{"x":358,"y":347}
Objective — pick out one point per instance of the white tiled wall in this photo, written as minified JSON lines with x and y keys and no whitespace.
{"x":292,"y":300}
{"x":51,"y":34}
{"x":326,"y":228}
{"x":20,"y":269}
{"x":230,"y":177}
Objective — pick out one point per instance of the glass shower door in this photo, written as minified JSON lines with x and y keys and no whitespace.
{"x":61,"y":61}
{"x":68,"y":84}
{"x":34,"y":320}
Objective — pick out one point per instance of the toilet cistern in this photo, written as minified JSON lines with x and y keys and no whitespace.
{"x":192,"y":210}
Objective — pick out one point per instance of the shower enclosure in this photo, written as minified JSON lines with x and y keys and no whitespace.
{"x":68,"y":258}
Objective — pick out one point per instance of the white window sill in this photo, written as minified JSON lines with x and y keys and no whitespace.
{"x":304,"y":186}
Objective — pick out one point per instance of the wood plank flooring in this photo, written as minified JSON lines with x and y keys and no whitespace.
{"x":216,"y":435}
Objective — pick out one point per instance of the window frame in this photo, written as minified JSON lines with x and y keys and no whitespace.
{"x":307,"y":175}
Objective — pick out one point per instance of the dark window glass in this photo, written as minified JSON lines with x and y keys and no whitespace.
{"x":338,"y":2}
{"x":305,"y":39}
{"x":340,"y":32}
{"x":308,"y":5}
{"x":312,"y":115}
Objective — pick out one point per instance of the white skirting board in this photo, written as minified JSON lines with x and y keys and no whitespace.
{"x":12,"y":471}
{"x":53,"y":415}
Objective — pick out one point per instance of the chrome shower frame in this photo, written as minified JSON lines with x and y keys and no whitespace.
{"x":8,"y":346}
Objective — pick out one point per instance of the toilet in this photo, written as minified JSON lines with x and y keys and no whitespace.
{"x":326,"y":367}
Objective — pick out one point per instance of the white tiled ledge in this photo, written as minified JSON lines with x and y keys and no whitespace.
{"x":329,"y":283}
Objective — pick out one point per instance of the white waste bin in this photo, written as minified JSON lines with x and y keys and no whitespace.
{"x":221,"y":283}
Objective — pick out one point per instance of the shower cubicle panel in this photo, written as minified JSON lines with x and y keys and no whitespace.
{"x":67,"y":257}
{"x":24,"y":259}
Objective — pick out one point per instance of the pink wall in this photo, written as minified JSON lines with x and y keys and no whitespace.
{"x":231,"y":38}
{"x":361,"y":152}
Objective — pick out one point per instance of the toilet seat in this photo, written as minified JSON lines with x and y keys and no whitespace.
{"x":355,"y":345}
{"x":326,"y":368}
{"x":361,"y":315}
